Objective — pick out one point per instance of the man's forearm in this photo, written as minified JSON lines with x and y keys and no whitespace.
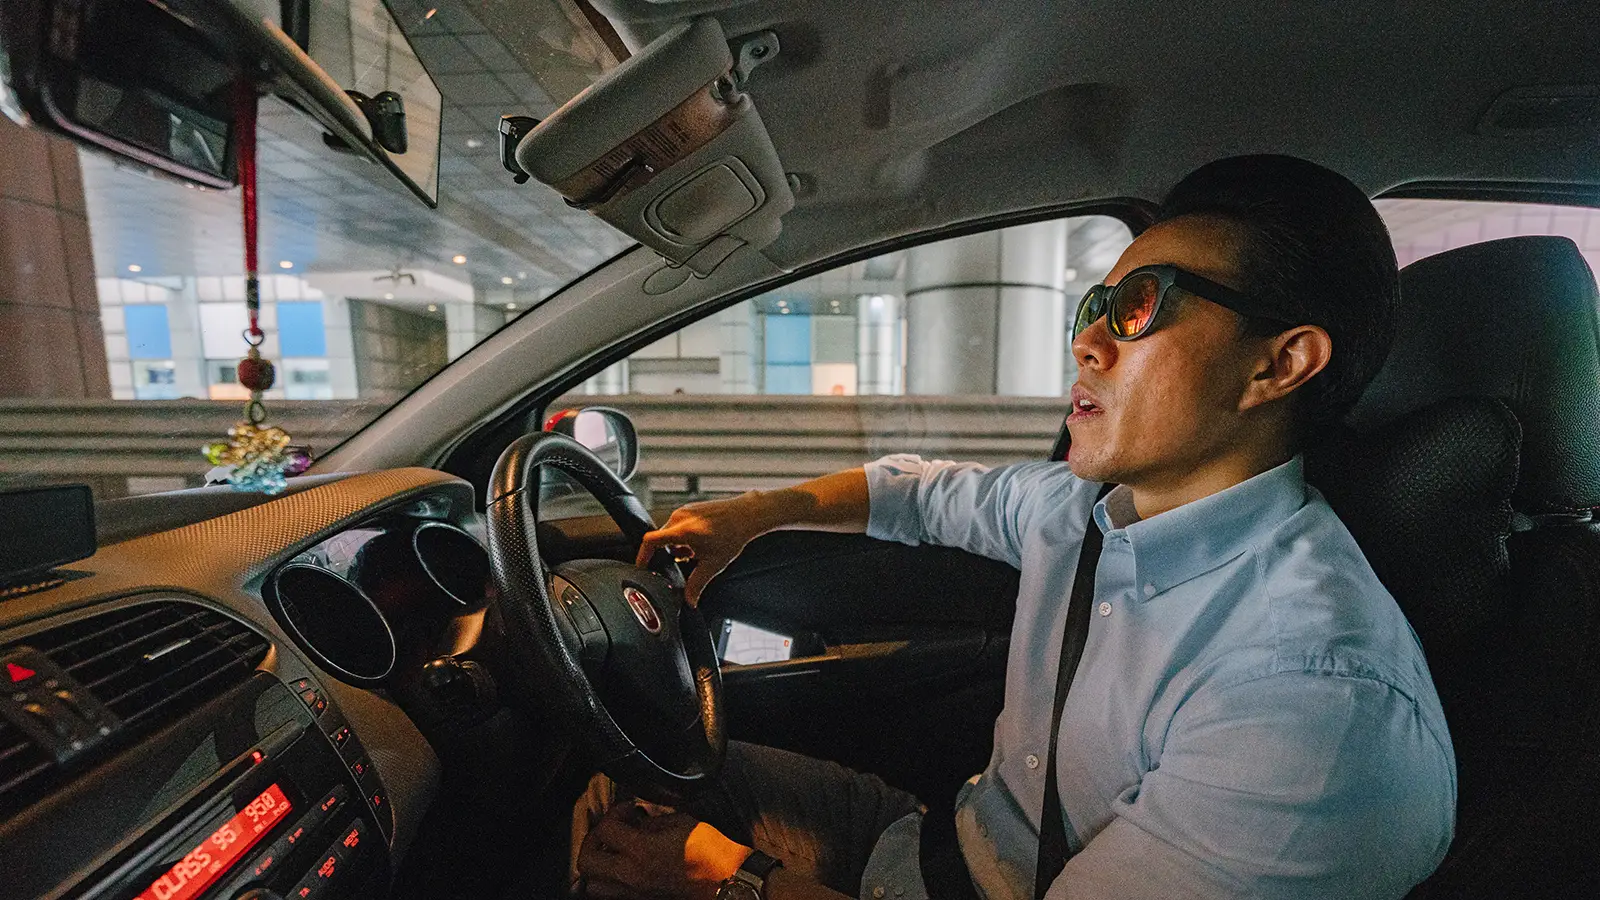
{"x":837,"y":502}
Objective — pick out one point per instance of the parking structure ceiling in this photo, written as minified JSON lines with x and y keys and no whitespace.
{"x":322,"y":210}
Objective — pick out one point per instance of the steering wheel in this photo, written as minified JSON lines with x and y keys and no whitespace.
{"x":613,"y":647}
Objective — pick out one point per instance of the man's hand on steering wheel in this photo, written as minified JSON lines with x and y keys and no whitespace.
{"x":711,"y":533}
{"x":715,"y":532}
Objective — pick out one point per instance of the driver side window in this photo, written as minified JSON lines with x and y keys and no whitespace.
{"x":959,"y":349}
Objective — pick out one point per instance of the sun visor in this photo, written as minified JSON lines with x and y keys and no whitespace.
{"x":667,"y":149}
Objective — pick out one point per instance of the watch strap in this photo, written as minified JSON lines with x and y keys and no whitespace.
{"x":755,"y":870}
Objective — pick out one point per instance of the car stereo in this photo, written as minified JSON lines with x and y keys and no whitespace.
{"x":265,"y":794}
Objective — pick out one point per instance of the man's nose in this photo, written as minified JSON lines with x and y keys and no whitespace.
{"x":1094,"y":347}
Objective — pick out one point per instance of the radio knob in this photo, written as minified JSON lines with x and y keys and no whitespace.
{"x":259,"y":894}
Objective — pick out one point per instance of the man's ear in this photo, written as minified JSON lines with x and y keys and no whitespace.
{"x":1288,"y":360}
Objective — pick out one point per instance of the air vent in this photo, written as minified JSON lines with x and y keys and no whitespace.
{"x":149,"y":664}
{"x":21,"y":764}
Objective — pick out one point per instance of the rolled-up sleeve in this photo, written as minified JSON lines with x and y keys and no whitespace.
{"x":976,"y":508}
{"x":1291,"y":785}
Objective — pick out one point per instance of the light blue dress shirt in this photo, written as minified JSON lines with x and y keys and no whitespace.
{"x":1252,"y":716}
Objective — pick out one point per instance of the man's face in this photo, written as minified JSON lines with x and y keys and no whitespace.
{"x":1168,"y":402}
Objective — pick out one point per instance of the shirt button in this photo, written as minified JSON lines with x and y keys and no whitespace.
{"x":1032,"y":761}
{"x":899,"y":892}
{"x":878,"y":892}
{"x":1105,"y":608}
{"x":1149,"y":589}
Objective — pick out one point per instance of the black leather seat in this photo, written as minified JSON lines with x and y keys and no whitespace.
{"x":1470,"y":479}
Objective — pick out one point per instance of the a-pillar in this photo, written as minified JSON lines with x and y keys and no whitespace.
{"x":51,"y":342}
{"x":986,"y":313}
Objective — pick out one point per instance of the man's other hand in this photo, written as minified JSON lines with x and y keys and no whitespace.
{"x":633,"y":855}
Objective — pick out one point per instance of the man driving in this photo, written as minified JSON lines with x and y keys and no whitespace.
{"x":1233,"y":707}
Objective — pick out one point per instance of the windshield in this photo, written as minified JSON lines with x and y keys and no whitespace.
{"x":123,"y":293}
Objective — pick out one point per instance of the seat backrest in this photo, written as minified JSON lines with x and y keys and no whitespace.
{"x":1470,"y":480}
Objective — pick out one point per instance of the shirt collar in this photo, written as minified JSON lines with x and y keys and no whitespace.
{"x":1179,"y":544}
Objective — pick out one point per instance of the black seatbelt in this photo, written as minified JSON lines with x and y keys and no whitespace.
{"x":944,"y":869}
{"x":1053,"y":848}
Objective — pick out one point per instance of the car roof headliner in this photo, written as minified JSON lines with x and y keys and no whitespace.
{"x":904,"y":116}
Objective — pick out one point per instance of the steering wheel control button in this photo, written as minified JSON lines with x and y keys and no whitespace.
{"x":361,"y":767}
{"x":304,"y":684}
{"x":583,"y":615}
{"x":1031,"y":761}
{"x":341,"y":736}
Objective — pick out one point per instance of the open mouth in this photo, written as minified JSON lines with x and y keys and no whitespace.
{"x":1083,"y":407}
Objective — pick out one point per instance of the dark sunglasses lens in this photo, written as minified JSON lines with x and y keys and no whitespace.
{"x":1089,"y":309}
{"x":1133,"y":305}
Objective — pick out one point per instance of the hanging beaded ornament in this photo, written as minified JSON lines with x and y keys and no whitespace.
{"x":258,"y":457}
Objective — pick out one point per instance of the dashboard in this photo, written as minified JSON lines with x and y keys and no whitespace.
{"x":201,"y":711}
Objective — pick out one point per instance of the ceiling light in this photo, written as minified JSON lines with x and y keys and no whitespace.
{"x":285,"y":264}
{"x":1070,"y":274}
{"x":511,"y":306}
{"x":430,"y":14}
{"x":783,"y":303}
{"x":473,"y":143}
{"x":784,"y":311}
{"x":522,"y":274}
{"x":459,"y":260}
{"x":433,"y":307}
{"x":388,"y":296}
{"x":136,"y":268}
{"x":508,"y":280}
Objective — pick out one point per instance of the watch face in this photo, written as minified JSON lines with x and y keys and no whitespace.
{"x":737,"y":889}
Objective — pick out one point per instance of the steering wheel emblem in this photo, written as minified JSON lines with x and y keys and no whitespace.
{"x":642,"y":610}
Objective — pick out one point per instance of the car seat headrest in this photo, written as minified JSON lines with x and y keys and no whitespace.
{"x":1516,"y":319}
{"x":1428,"y":499}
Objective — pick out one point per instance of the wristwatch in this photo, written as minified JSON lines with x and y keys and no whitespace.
{"x":750,"y":882}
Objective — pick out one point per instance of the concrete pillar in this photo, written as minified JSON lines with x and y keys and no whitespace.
{"x":738,"y":345}
{"x":51,"y":343}
{"x":611,"y":380}
{"x":341,"y":348}
{"x":469,"y":323}
{"x":183,"y":322}
{"x":879,"y":330}
{"x":986,"y":313}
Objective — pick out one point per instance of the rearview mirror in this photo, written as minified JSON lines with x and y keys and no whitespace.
{"x":156,"y":82}
{"x":608,"y":432}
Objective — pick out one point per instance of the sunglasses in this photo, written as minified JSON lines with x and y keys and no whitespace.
{"x":1132,"y":305}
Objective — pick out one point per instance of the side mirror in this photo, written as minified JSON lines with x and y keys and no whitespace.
{"x":608,"y":432}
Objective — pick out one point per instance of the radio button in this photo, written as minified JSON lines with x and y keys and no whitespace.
{"x":353,"y":838}
{"x":330,"y":804}
{"x":316,"y":882}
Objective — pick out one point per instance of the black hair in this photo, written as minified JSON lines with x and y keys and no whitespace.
{"x":1314,"y":248}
